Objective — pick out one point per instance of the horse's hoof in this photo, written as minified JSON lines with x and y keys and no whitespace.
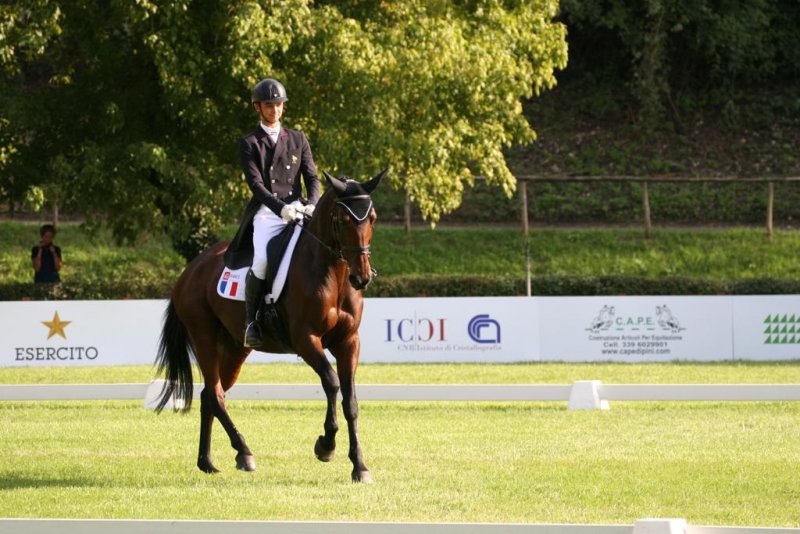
{"x":362,"y":477}
{"x":205,"y":465}
{"x":245,"y":462}
{"x":323,"y":455}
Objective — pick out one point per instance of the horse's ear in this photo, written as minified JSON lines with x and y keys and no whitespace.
{"x":373,"y":183}
{"x":337,"y":184}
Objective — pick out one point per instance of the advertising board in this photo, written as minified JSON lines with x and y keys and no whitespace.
{"x":766,"y":327}
{"x":469,"y":329}
{"x":636,"y":328}
{"x":69,"y":333}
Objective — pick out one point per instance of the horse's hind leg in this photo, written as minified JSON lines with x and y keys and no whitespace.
{"x":219,"y":374}
{"x":233,"y":357}
{"x":204,"y":462}
{"x":213,"y":403}
{"x":204,"y":343}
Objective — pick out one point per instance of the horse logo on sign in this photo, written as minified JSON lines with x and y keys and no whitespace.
{"x":603,"y":320}
{"x":666,"y":320}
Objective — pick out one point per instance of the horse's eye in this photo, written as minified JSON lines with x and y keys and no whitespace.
{"x":346,"y":217}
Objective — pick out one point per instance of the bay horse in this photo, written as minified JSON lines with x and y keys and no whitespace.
{"x":321,"y":306}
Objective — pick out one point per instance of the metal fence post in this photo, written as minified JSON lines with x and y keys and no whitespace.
{"x":770,"y":205}
{"x":407,"y":213}
{"x":648,"y":224}
{"x":523,"y":194}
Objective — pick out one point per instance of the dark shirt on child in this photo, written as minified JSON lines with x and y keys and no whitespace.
{"x":48,"y":271}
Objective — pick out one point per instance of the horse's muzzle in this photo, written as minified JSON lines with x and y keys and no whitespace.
{"x":359,"y":282}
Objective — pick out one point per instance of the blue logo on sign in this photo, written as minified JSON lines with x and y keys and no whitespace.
{"x":483,"y":329}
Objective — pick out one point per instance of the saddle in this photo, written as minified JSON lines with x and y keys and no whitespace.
{"x":232,"y":280}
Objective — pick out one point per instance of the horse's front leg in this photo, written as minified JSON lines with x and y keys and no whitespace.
{"x":346,"y":355}
{"x":326,"y":444}
{"x":314,"y":355}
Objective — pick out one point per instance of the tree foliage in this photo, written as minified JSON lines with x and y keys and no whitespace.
{"x":432,"y":88}
{"x":129,"y":111}
{"x":670,"y":51}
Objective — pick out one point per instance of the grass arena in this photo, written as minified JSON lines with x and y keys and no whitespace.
{"x":713,"y":463}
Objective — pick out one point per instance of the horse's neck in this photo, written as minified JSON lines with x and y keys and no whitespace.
{"x":320,"y":225}
{"x":320,"y":246}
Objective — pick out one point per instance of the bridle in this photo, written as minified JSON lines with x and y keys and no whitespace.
{"x":336,"y":224}
{"x":338,"y":249}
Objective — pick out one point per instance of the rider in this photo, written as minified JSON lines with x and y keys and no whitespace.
{"x":273,"y":159}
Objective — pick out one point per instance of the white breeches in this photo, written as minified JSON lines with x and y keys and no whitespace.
{"x":266,"y":225}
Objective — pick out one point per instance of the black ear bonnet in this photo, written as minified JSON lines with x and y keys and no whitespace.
{"x":355,"y":200}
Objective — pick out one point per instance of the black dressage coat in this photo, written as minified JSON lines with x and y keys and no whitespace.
{"x":273,"y":173}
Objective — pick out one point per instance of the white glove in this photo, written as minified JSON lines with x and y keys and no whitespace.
{"x":289,"y":213}
{"x":309,"y":210}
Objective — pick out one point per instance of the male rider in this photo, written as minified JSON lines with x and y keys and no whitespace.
{"x":273,"y":160}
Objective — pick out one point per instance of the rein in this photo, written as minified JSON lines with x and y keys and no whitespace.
{"x":338,"y":254}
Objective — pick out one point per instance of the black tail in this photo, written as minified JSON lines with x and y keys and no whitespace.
{"x":174,"y":360}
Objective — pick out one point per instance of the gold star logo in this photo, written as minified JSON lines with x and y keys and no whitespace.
{"x":56,"y":326}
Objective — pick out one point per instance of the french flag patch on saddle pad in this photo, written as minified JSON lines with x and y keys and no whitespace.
{"x":231,"y":283}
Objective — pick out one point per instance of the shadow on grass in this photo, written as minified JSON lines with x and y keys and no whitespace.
{"x":26,"y":481}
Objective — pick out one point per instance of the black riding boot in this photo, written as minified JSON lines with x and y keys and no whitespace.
{"x":254,"y":289}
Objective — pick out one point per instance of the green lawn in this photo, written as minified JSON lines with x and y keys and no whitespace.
{"x":729,"y":253}
{"x":719,"y":253}
{"x":729,"y":372}
{"x":712,"y":463}
{"x":86,"y":256}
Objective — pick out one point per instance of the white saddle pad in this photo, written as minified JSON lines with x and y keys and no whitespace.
{"x":232,"y":282}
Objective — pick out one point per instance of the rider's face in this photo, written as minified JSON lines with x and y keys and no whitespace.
{"x":270,"y":112}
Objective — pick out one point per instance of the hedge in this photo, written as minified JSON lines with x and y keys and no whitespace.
{"x":440,"y":286}
{"x":462,"y":286}
{"x":76,"y":290}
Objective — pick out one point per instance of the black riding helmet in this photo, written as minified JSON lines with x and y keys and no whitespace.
{"x":270,"y":91}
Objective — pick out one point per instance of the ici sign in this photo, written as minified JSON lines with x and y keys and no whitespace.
{"x":419,"y":329}
{"x":481,"y":329}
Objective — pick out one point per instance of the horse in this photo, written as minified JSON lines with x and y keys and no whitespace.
{"x":321,"y":306}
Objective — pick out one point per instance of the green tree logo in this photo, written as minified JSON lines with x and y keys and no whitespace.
{"x":782,"y":329}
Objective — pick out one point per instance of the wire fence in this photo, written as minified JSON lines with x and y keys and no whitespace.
{"x":643,"y":181}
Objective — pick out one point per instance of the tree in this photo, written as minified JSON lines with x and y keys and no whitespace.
{"x":26,"y":29}
{"x":142,"y":102}
{"x":433,"y":89}
{"x":663,"y":52}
